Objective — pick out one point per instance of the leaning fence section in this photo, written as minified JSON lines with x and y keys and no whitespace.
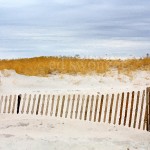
{"x":131,"y":109}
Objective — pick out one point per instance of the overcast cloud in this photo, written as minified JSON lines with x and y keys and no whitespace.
{"x":67,"y":27}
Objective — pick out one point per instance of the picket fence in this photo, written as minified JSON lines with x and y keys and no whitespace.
{"x":131,"y":109}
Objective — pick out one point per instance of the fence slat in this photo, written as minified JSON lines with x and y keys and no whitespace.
{"x":96,"y":105}
{"x":19,"y":99}
{"x":136,"y":109}
{"x":72,"y":107}
{"x":14,"y":104}
{"x":47,"y":105}
{"x":121,"y":108}
{"x":147,"y":109}
{"x":67,"y":109}
{"x":141,"y":111}
{"x":28,"y":106}
{"x":83,"y":98}
{"x":91,"y":108}
{"x":43,"y":102}
{"x":33,"y":105}
{"x":126,"y":108}
{"x":111,"y":106}
{"x":1,"y":103}
{"x":86,"y":107}
{"x":56,"y":112}
{"x":101,"y":107}
{"x":5,"y":105}
{"x":23,"y":105}
{"x":9,"y":106}
{"x":116,"y":108}
{"x":38,"y":105}
{"x":77,"y":107}
{"x":106,"y":107}
{"x":52,"y":105}
{"x":144,"y":122}
{"x":62,"y":106}
{"x":131,"y":109}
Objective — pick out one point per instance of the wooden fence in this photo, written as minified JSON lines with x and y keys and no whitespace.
{"x":131,"y":109}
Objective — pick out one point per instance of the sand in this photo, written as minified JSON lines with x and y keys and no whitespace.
{"x":28,"y":132}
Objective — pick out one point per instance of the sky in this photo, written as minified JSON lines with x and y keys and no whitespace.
{"x":95,"y":28}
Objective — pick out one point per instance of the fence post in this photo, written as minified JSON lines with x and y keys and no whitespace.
{"x":1,"y":102}
{"x":86,"y":107}
{"x":131,"y":109}
{"x":148,"y":108}
{"x":111,"y":107}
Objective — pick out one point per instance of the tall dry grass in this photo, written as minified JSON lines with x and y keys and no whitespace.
{"x":42,"y":66}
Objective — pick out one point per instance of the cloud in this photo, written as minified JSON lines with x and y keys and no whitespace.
{"x":16,"y":3}
{"x":77,"y":26}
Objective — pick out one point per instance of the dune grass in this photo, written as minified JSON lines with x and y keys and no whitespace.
{"x":43,"y":66}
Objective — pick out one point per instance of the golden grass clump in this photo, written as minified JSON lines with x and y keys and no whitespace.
{"x":42,"y":66}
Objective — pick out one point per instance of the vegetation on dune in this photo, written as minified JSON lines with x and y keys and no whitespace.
{"x":42,"y":66}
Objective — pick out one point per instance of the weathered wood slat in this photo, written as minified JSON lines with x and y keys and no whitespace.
{"x":116,"y":108}
{"x":86,"y":107}
{"x":72,"y":107}
{"x":149,"y":108}
{"x":121,"y":108}
{"x":131,"y":109}
{"x":62,"y":106}
{"x":9,"y":106}
{"x":91,"y":108}
{"x":5,"y":105}
{"x":19,"y":100}
{"x":28,"y":106}
{"x":111,"y":106}
{"x":68,"y":104}
{"x":43,"y":103}
{"x":1,"y":103}
{"x":106,"y":107}
{"x":96,"y":105}
{"x":57,"y":106}
{"x":141,"y":111}
{"x":38,"y":105}
{"x":101,"y":107}
{"x":126,"y":108}
{"x":23,"y":105}
{"x":77,"y":107}
{"x":33,"y":105}
{"x":81,"y":111}
{"x":47,"y":105}
{"x":52,"y":105}
{"x":147,"y":121}
{"x":144,"y":122}
{"x":136,"y":109}
{"x":14,"y":104}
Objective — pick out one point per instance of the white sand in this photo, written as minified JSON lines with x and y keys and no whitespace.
{"x":106,"y":83}
{"x":21,"y":132}
{"x":36,"y":133}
